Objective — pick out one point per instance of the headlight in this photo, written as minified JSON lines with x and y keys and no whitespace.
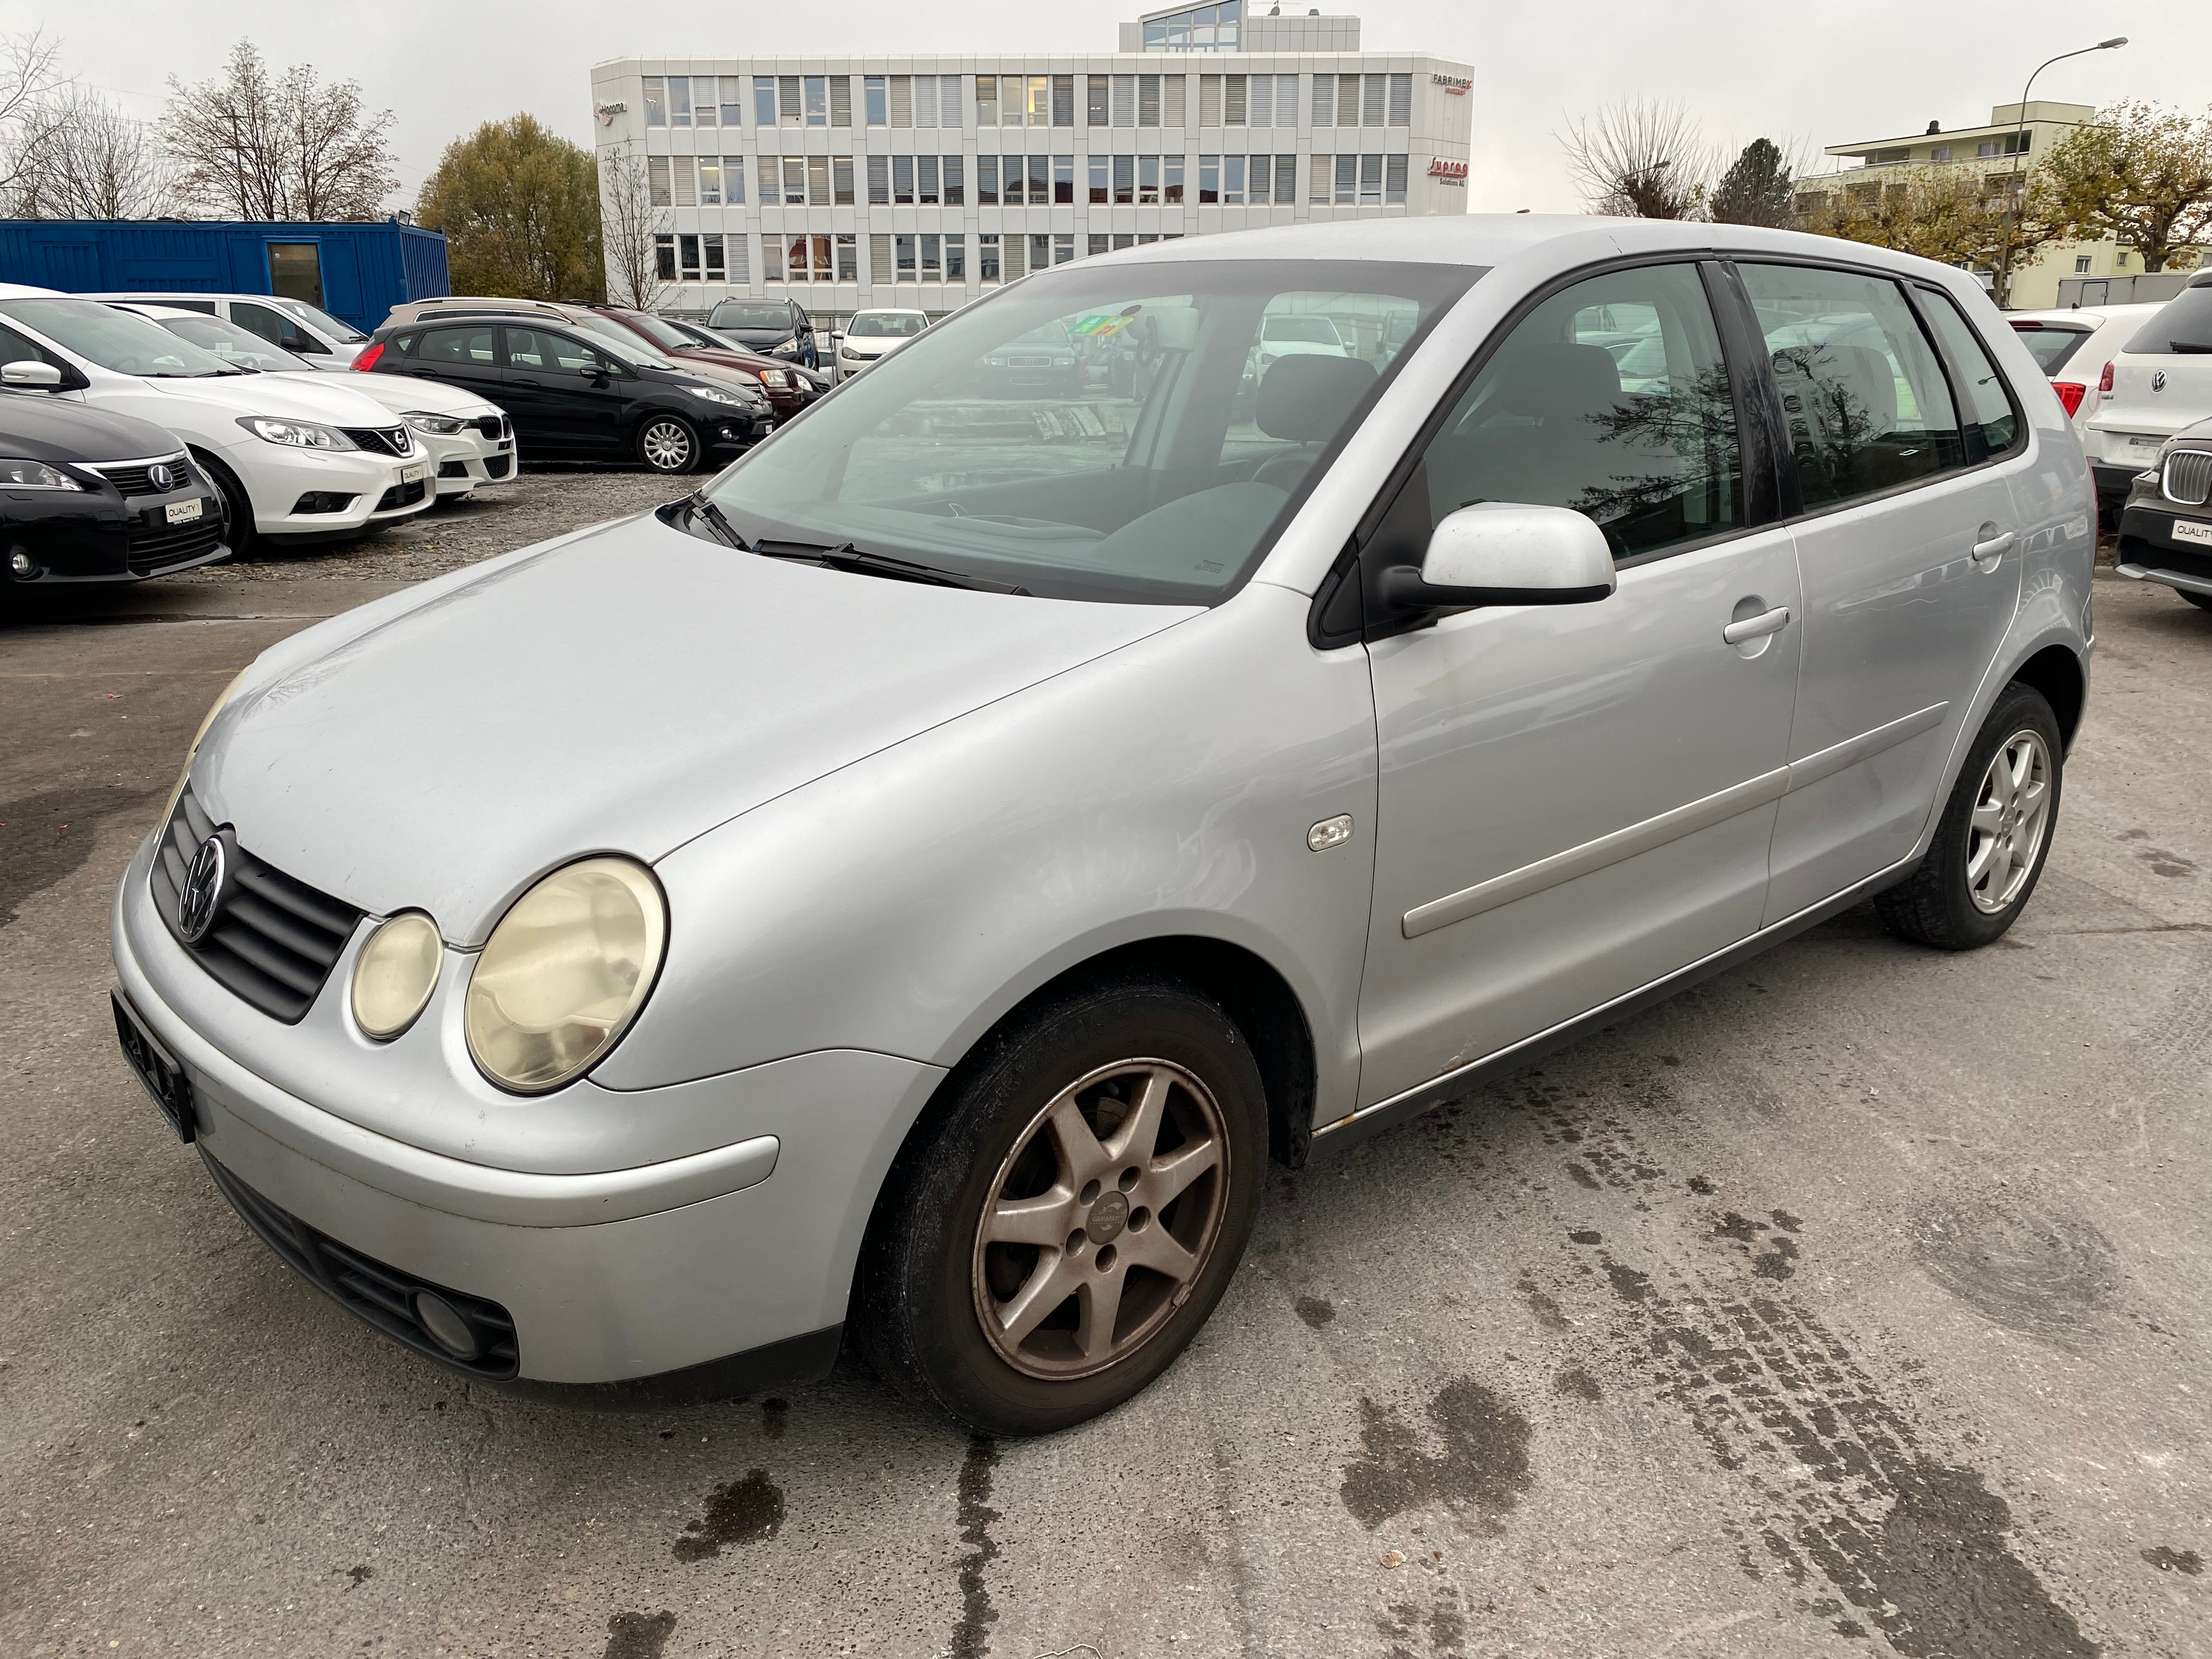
{"x":774,"y":377}
{"x":849,"y":354}
{"x":792,"y":344}
{"x":564,"y":974}
{"x":35,"y":475}
{"x":298,"y":434}
{"x":395,"y":974}
{"x":193,"y":752}
{"x":443,"y":425}
{"x":715,"y":394}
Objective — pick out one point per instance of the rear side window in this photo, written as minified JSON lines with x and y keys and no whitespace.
{"x":1989,"y":412}
{"x":273,"y":326}
{"x":538,"y":348}
{"x":1862,"y":392}
{"x":2050,"y":343}
{"x":458,"y":345}
{"x":1610,"y":398}
{"x":2184,"y":326}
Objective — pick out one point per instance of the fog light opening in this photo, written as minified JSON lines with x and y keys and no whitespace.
{"x":445,"y":1326}
{"x":21,"y":566}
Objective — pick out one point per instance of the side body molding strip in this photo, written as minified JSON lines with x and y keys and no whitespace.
{"x":1672,"y":825}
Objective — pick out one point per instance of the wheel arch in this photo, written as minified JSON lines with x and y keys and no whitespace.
{"x":2056,"y":672}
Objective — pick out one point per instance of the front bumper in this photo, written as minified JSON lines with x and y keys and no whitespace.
{"x":2149,"y":550}
{"x":466,"y":461}
{"x":631,"y":1270}
{"x":95,"y":536}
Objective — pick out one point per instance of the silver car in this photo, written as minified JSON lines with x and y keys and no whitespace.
{"x":912,"y":887}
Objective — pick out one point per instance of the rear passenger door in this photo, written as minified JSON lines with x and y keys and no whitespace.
{"x":1906,"y":532}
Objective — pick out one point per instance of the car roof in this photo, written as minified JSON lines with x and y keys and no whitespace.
{"x":148,"y":308}
{"x":2092,"y":318}
{"x":25,"y":291}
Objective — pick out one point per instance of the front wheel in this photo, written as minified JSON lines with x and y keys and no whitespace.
{"x":1076,"y":1215}
{"x":1995,"y":834}
{"x":666,"y":443}
{"x":2202,"y":601}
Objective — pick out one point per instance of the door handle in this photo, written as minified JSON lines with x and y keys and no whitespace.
{"x":1994,"y":548}
{"x":1752,"y":628}
{"x":523,"y":382}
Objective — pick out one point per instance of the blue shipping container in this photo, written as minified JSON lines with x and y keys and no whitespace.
{"x":356,"y":271}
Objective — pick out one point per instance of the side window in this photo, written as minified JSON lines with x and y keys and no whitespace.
{"x":1610,"y":398}
{"x":274,"y":327}
{"x":559,"y":353}
{"x":1989,"y":407}
{"x":468,"y":346}
{"x":1863,"y":397}
{"x":16,"y":348}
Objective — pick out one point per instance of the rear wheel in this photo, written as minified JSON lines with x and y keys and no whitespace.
{"x":666,"y":443}
{"x":1078,"y":1211}
{"x":1995,"y":834}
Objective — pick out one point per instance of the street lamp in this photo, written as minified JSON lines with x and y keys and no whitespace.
{"x":2013,"y":189}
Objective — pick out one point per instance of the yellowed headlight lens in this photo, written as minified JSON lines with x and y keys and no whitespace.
{"x":193,"y":752}
{"x":395,"y":974}
{"x":564,"y":972}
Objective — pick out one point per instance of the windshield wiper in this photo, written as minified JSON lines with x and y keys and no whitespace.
{"x":700,"y":505}
{"x":846,"y":556}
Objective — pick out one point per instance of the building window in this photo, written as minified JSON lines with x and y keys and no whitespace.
{"x":1347,"y":181}
{"x":1148,"y":181}
{"x":1098,"y":243}
{"x":817,"y":181}
{"x":955,"y":180}
{"x":1202,"y":28}
{"x":1040,"y":180}
{"x":1209,"y":181}
{"x":1263,"y":179}
{"x":840,"y":100}
{"x":924,"y":181}
{"x":1095,"y":106}
{"x":771,"y":260}
{"x":1063,"y":246}
{"x":902,"y":248}
{"x":2120,"y":261}
{"x":818,"y":101}
{"x":764,"y":100}
{"x":1324,"y":100}
{"x":1348,"y":101}
{"x":733,"y":179}
{"x":848,"y":259}
{"x":1125,"y":101}
{"x":986,"y":100}
{"x":656,"y":102}
{"x":1402,"y":100}
{"x":987,"y":181}
{"x":715,"y":271}
{"x":841,"y":171}
{"x":877,"y":104}
{"x":1063,"y":179}
{"x":664,"y":256}
{"x":1209,"y":100}
{"x":1394,"y":178}
{"x":879,"y":181}
{"x":706,"y":103}
{"x":1287,"y":180}
{"x":1013,"y":257}
{"x":879,"y":260}
{"x":680,"y":100}
{"x":2081,"y":263}
{"x":924,"y":100}
{"x":1125,"y":180}
{"x":1260,"y":101}
{"x":1063,"y":101}
{"x":987,"y":258}
{"x":1098,"y":184}
{"x":794,"y":181}
{"x":1171,"y":178}
{"x":933,"y":258}
{"x":1940,"y":153}
{"x":902,"y":91}
{"x":685,"y":194}
{"x":902,"y":180}
{"x":710,"y":181}
{"x":791,"y":111}
{"x":1370,"y":181}
{"x":737,"y":271}
{"x":656,"y":181}
{"x":956,"y":258}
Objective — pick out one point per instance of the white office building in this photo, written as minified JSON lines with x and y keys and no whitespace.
{"x":846,"y":182}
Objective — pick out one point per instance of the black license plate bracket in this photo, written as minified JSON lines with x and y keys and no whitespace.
{"x":156,"y":1067}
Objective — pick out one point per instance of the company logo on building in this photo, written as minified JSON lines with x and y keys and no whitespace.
{"x":607,"y":112}
{"x":1457,"y":85}
{"x":1452,"y":173}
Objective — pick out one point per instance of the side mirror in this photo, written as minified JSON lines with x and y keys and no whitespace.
{"x":42,"y":377}
{"x":1506,"y":553}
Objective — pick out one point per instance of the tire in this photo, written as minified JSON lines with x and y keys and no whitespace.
{"x":1978,"y":878}
{"x":2202,"y":601}
{"x":668,"y":443}
{"x":1123,"y":1289}
{"x":238,"y":532}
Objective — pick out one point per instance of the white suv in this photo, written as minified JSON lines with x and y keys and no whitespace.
{"x":304,"y":331}
{"x":296,"y":458}
{"x":2160,"y":383}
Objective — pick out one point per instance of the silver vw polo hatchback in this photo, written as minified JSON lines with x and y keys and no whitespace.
{"x":910,"y":888}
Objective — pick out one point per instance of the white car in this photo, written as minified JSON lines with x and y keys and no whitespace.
{"x":470,"y":442}
{"x":308,"y":332}
{"x":871,"y":337}
{"x":1299,"y":335}
{"x":2076,"y":349}
{"x":296,"y":459}
{"x":2160,"y":381}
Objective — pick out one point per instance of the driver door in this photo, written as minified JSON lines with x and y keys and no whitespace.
{"x":1575,"y":800}
{"x":568,"y":395}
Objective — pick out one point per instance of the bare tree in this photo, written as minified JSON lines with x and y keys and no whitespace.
{"x":628,"y":224}
{"x":1642,"y":161}
{"x":256,"y":147}
{"x":30,"y":88}
{"x":95,"y":163}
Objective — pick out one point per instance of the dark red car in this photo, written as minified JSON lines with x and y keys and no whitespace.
{"x":786,"y":393}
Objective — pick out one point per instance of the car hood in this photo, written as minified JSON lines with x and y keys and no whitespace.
{"x":398,"y":394}
{"x":42,"y":428}
{"x":286,"y":397}
{"x":625,"y":689}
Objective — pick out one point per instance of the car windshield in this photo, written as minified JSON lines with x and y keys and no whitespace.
{"x":886,"y":325}
{"x":119,"y":341}
{"x":2183,"y":324}
{"x":233,"y":344}
{"x":1155,"y":469}
{"x":666,"y":335}
{"x":2050,"y":343}
{"x":731,"y":314}
{"x":329,"y":326}
{"x":610,"y":333}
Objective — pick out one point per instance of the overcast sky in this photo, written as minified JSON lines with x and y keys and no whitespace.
{"x":1806,"y":74}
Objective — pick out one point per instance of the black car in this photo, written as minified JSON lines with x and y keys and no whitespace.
{"x":778,"y":328}
{"x":2166,"y":528}
{"x":577,"y":396}
{"x":87,"y":497}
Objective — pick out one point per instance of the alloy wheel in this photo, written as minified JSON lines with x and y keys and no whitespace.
{"x":1101,"y":1218}
{"x":2011,"y":810}
{"x":667,"y":446}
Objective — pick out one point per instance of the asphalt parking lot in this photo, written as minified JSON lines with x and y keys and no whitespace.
{"x":1854,"y":1301}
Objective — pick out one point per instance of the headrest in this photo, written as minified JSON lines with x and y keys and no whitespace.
{"x":1308,"y":399}
{"x":1549,"y":378}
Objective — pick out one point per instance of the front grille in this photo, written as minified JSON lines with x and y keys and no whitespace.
{"x":382,"y":1294}
{"x":401,"y":495}
{"x":379,"y":440}
{"x":496,"y":466}
{"x":2188,"y":476}
{"x":159,"y":549}
{"x":275,"y":939}
{"x":132,"y":477}
{"x":493,"y":426}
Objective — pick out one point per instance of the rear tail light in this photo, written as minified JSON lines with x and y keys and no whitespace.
{"x":375,"y":350}
{"x":2070,"y":393}
{"x":2104,"y":380}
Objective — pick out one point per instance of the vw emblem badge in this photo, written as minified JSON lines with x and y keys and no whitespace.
{"x":196,"y":910}
{"x":2158,"y":380}
{"x":160,"y":477}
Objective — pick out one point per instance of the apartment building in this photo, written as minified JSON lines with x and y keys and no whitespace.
{"x":919,"y":181}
